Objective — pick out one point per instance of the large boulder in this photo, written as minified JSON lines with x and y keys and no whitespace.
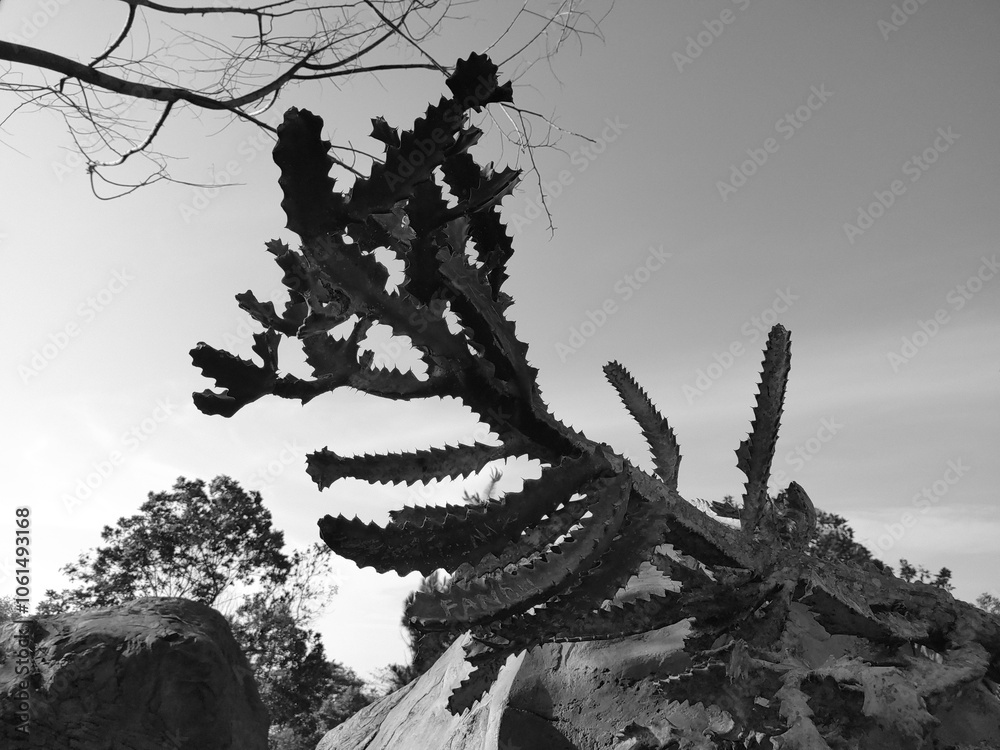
{"x":626,"y":694}
{"x":152,"y":674}
{"x":560,"y":696}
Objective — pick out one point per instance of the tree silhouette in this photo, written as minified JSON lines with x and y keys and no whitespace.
{"x":195,"y":541}
{"x":213,"y":542}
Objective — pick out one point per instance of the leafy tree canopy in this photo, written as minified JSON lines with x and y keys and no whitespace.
{"x":909,"y":573}
{"x":989,"y":602}
{"x":835,"y":541}
{"x":193,"y":542}
{"x":200,"y":540}
{"x":8,"y":609}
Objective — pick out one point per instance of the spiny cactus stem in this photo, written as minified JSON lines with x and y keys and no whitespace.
{"x":715,"y":532}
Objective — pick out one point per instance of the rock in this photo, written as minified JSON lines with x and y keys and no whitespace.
{"x":416,"y":716}
{"x":553,"y":697}
{"x":628,"y":694}
{"x":152,"y":674}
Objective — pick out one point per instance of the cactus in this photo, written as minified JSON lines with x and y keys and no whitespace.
{"x":543,"y":564}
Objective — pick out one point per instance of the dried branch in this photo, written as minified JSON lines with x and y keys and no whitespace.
{"x":272,"y":46}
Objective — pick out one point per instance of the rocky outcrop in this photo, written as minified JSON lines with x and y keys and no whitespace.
{"x":153,"y":674}
{"x":628,"y":694}
{"x":550,"y":698}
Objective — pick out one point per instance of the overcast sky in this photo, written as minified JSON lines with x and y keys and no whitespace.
{"x":829,"y":166}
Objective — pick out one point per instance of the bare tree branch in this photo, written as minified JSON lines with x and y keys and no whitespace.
{"x":116,"y":105}
{"x":87,"y":74}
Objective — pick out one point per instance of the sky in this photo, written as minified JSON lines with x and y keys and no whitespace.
{"x":832,"y":167}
